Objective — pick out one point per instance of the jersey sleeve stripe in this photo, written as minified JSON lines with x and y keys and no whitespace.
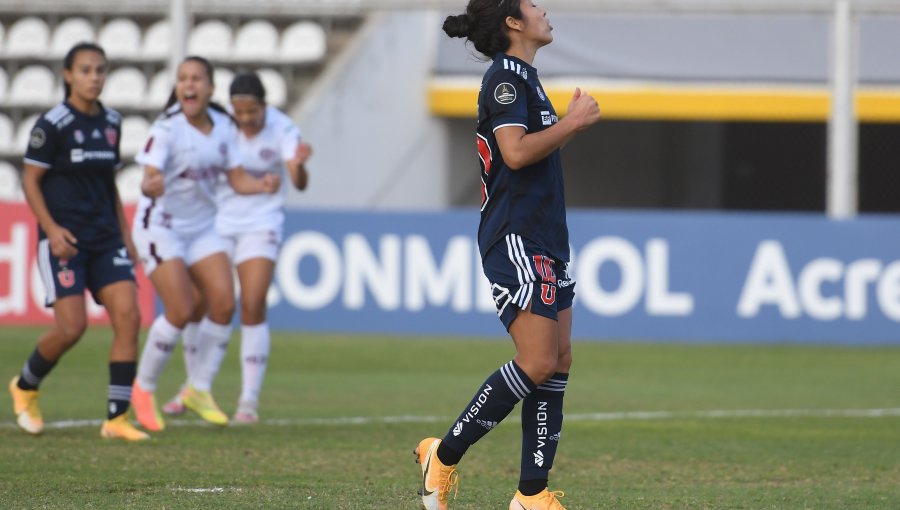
{"x":37,"y":163}
{"x":510,"y":124}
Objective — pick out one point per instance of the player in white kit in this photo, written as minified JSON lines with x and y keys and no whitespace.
{"x":189,"y":147}
{"x":251,"y":226}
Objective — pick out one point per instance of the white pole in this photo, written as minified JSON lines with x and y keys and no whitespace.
{"x":179,"y":20}
{"x":842,"y":125}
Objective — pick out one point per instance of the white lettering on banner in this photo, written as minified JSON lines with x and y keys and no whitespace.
{"x":633,"y":284}
{"x":15,"y":255}
{"x":770,"y":282}
{"x":364,"y":270}
{"x":436,"y":285}
{"x":322,"y":292}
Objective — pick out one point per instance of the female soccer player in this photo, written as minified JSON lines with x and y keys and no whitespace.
{"x":84,"y":242}
{"x":524,"y":244}
{"x":251,"y":226}
{"x":188,"y":148}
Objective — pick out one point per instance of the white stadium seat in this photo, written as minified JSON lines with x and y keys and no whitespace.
{"x":304,"y":41}
{"x":276,"y":88}
{"x":28,"y":37}
{"x":4,"y":84}
{"x":128,"y":181}
{"x":134,"y":135}
{"x":10,"y":187}
{"x":160,"y":89}
{"x":7,"y":136}
{"x":125,"y":87}
{"x":23,"y":132}
{"x":120,"y":38}
{"x":157,"y":41}
{"x":210,"y":39}
{"x":256,"y":40}
{"x":2,"y":37}
{"x":222,"y":78}
{"x":69,"y":33}
{"x":35,"y":86}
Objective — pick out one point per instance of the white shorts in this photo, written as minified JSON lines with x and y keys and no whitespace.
{"x":158,"y":244}
{"x":253,"y":245}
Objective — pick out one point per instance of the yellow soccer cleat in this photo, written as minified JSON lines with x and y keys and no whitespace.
{"x":437,"y":479}
{"x":144,"y":404}
{"x":25,"y":405}
{"x":544,"y":500}
{"x":202,"y":403}
{"x":120,"y":428}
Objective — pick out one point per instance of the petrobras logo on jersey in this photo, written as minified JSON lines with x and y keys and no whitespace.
{"x":665,"y":276}
{"x":81,"y":155}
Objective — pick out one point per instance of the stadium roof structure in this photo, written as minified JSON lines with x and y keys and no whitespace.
{"x":700,"y":66}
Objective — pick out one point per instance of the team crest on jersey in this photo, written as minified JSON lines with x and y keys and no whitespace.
{"x":266,"y":154}
{"x":111,"y":136}
{"x":66,"y":277}
{"x":79,"y":136}
{"x":505,"y":93}
{"x":38,"y":138}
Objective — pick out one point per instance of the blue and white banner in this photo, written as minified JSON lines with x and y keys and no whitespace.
{"x":663,"y":276}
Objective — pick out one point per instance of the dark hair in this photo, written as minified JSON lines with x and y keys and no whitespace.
{"x":248,"y":84}
{"x":484,"y":25}
{"x":168,"y":111}
{"x":69,"y":61}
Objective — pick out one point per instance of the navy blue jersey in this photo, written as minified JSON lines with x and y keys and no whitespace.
{"x":530,"y":201}
{"x":81,"y":155}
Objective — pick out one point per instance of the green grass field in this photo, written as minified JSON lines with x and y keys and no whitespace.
{"x":803,"y":449}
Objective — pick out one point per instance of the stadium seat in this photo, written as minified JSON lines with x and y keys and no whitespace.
{"x":256,"y":40}
{"x":69,"y":33}
{"x":2,"y":37}
{"x":276,"y":88}
{"x":125,"y":87}
{"x":302,"y":42}
{"x":120,"y":38}
{"x":157,"y":41}
{"x":4,"y":84}
{"x":211,"y":39}
{"x":134,"y":134}
{"x":7,"y":135}
{"x":10,"y":187}
{"x":222,"y":78}
{"x":28,"y":37}
{"x":34,"y":86}
{"x":160,"y":89}
{"x":23,"y":133}
{"x":128,"y":181}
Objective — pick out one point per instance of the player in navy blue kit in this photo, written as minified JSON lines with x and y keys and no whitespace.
{"x":84,"y":240}
{"x":524,"y":244}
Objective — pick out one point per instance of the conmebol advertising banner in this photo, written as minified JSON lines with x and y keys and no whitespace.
{"x":663,"y":276}
{"x":641,"y":275}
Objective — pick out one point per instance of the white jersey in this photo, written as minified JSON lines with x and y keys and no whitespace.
{"x":191,"y":162}
{"x":265,"y":153}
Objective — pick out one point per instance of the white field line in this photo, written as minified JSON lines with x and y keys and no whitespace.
{"x":569,"y":417}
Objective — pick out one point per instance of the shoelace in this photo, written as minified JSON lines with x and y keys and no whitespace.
{"x":554,"y":499}
{"x":451,"y":481}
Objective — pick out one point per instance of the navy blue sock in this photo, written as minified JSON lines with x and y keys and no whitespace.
{"x":492,"y":402}
{"x":36,"y":368}
{"x":542,"y":419}
{"x":121,"y":378}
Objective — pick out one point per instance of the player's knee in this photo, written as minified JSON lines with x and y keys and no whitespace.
{"x":564,"y":362}
{"x":221,"y":308}
{"x":543,"y":369}
{"x":253,"y":313}
{"x":70,"y":330}
{"x":179,"y":317}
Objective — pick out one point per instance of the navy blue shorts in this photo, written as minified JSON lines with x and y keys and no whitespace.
{"x":90,"y":270}
{"x":522,"y":274}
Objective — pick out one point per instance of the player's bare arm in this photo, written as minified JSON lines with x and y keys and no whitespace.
{"x":62,"y":241}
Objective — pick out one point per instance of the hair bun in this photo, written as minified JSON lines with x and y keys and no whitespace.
{"x":457,"y":26}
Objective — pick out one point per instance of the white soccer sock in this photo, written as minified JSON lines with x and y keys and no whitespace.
{"x":255,"y":341}
{"x":191,"y":347}
{"x":161,"y":340}
{"x":213,"y":340}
